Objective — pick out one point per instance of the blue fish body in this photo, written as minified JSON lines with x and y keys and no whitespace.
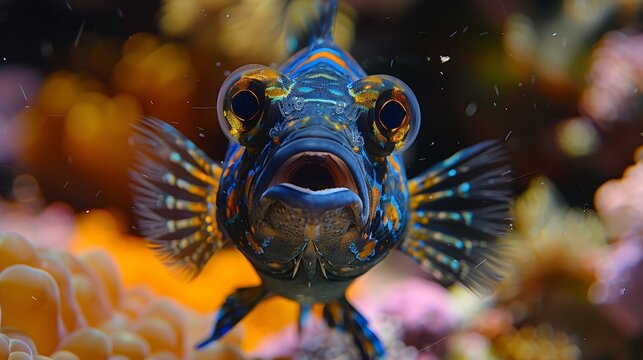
{"x":313,"y":189}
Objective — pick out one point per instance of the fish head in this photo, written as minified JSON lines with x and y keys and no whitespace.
{"x":316,"y":174}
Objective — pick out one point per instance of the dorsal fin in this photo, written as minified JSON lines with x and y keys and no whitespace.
{"x":328,"y":12}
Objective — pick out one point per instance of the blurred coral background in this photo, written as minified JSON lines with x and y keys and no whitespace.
{"x":559,"y":80}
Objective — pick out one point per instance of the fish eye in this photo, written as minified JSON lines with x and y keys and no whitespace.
{"x":392,"y":118}
{"x":391,"y":115}
{"x":245,"y":105}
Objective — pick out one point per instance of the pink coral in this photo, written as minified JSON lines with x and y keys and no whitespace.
{"x":620,"y":205}
{"x":615,"y":79}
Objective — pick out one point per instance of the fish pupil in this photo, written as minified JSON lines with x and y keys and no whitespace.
{"x":392,"y":114}
{"x":312,"y":176}
{"x":245,"y":105}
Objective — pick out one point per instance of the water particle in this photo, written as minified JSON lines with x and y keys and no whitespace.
{"x":554,"y":34}
{"x":495,"y":87}
{"x":471,"y":109}
{"x":465,"y":29}
{"x":508,"y":135}
{"x":453,"y":34}
{"x":484,"y":33}
{"x":80,"y":33}
{"x":119,"y":12}
{"x":622,"y":291}
{"x":22,"y":90}
{"x":444,"y":58}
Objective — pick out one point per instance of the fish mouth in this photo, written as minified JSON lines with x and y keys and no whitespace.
{"x":314,"y":175}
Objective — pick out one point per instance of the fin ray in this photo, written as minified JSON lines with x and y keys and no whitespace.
{"x":235,"y":308}
{"x":342,"y":315}
{"x":459,"y":208}
{"x":175,"y":185}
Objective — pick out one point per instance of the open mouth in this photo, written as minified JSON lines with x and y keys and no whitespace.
{"x":313,"y":176}
{"x":315,"y":171}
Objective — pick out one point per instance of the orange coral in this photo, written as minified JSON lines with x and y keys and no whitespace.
{"x":70,"y":307}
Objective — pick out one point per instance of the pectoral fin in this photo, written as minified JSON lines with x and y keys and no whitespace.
{"x":342,"y":315}
{"x":175,"y":185}
{"x":235,"y":308}
{"x":459,"y":208}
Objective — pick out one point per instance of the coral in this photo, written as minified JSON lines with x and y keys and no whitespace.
{"x":536,"y":343}
{"x":249,"y":29}
{"x":620,"y":206}
{"x":54,"y":305}
{"x":615,"y":79}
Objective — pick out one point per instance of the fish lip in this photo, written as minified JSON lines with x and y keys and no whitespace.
{"x":315,"y":142}
{"x":320,"y":201}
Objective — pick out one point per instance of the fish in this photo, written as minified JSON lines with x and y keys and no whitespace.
{"x":313,"y":190}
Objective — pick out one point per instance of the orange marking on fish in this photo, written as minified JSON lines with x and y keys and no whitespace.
{"x":233,"y":160}
{"x":327,"y":55}
{"x":367,"y":250}
{"x":375,"y":199}
{"x":393,"y":214}
{"x":398,"y":170}
{"x":231,"y":204}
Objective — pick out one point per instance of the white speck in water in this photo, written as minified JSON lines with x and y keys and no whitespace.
{"x":496,"y":88}
{"x":226,"y":73}
{"x":80,"y":33}
{"x":68,"y":6}
{"x":565,"y":42}
{"x":444,"y":58}
{"x":441,"y":73}
{"x":4,"y":58}
{"x":66,"y":183}
{"x":554,"y":34}
{"x":119,"y":12}
{"x":201,"y":135}
{"x":34,"y":298}
{"x":98,"y":193}
{"x":428,"y":58}
{"x":227,"y":16}
{"x":494,"y":104}
{"x":87,"y":211}
{"x":22,"y":90}
{"x":508,"y":135}
{"x":622,"y":291}
{"x":471,"y":109}
{"x":465,"y":29}
{"x":217,"y":64}
{"x":453,"y":34}
{"x":484,"y":33}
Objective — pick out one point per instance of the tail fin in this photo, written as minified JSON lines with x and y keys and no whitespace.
{"x":235,"y":308}
{"x":342,"y":315}
{"x":175,"y":186}
{"x":459,"y":207}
